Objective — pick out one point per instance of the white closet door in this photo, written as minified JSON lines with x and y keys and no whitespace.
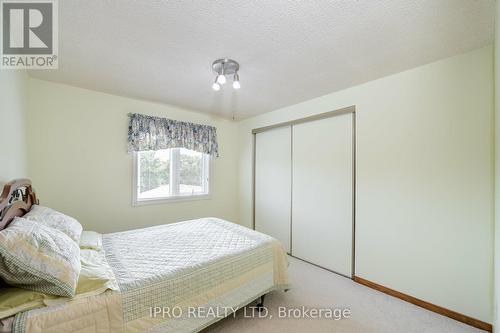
{"x":322,"y":223}
{"x":273,"y":184}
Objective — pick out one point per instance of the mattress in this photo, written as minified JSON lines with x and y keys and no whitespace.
{"x":178,"y":277}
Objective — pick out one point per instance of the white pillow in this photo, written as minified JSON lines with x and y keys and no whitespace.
{"x":40,"y":258}
{"x":91,"y":240}
{"x":56,"y":220}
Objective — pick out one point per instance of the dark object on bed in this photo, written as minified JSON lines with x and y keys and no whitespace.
{"x":260,"y":305}
{"x":16,"y":200}
{"x":3,"y":285}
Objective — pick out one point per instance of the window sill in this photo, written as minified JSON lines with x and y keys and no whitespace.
{"x":172,"y":199}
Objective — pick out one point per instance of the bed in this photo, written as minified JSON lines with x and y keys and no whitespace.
{"x":178,"y":277}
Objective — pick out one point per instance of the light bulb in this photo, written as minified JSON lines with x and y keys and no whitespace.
{"x":216,"y":86}
{"x":236,"y":82}
{"x":221,"y":79}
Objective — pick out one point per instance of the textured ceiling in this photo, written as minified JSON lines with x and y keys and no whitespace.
{"x":289,"y":51}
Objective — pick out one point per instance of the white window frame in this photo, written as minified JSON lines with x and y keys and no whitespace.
{"x":174,"y":173}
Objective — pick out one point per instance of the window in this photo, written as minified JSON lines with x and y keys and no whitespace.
{"x":168,"y":174}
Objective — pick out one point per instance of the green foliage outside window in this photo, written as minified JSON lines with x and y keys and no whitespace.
{"x":154,"y":171}
{"x":190,"y":169}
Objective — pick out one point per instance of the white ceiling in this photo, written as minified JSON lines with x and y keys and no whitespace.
{"x":289,"y":51}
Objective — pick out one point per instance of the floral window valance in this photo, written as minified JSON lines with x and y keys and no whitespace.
{"x":155,"y":133}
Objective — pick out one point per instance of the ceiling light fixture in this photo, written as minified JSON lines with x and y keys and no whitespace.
{"x":216,"y":86}
{"x":236,"y":82}
{"x":223,"y":67}
{"x":221,"y":79}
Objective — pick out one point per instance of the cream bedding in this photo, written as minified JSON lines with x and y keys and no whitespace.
{"x":91,"y":240}
{"x":95,"y":278}
{"x":205,"y":264}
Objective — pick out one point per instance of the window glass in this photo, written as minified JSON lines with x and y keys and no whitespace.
{"x":154,"y":174}
{"x":168,"y":173}
{"x":191,"y":172}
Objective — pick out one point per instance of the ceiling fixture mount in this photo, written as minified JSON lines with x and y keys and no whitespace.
{"x":223,"y":67}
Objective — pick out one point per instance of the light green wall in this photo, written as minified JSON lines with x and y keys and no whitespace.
{"x":13,"y":95}
{"x":78,"y":161}
{"x":424,"y":210}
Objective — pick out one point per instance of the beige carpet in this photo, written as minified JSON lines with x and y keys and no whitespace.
{"x":372,"y":311}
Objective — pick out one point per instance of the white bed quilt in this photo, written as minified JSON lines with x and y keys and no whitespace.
{"x":200,"y":263}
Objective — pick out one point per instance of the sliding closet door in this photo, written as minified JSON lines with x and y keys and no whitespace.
{"x":272,"y":183}
{"x":322,"y":204}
